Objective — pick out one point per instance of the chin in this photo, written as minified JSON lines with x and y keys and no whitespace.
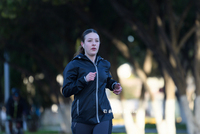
{"x":93,"y":54}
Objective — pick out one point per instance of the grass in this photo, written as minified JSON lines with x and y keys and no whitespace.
{"x":43,"y":132}
{"x":148,"y":126}
{"x":54,"y":132}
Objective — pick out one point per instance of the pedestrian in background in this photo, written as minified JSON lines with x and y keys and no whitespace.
{"x":17,"y":108}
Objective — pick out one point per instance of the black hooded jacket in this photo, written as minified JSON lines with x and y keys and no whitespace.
{"x":90,"y":105}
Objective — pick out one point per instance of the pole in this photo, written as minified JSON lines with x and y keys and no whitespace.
{"x":6,"y":77}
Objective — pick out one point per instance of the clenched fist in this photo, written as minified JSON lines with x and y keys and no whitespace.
{"x":90,"y":76}
{"x":117,"y":89}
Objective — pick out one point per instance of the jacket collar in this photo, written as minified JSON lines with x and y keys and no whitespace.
{"x":84,"y":57}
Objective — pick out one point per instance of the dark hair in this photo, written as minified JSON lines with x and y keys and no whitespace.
{"x":87,"y":31}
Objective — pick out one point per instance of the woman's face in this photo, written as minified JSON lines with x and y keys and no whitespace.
{"x":91,"y":44}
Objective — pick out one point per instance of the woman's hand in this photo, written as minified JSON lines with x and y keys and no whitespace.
{"x":117,"y":89}
{"x":90,"y":76}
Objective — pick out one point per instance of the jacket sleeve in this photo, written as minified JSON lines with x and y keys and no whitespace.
{"x":72,"y":83}
{"x":110,"y":82}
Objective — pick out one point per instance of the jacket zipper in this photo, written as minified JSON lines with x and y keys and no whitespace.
{"x":97,"y":84}
{"x":97,"y":103}
{"x":77,"y":107}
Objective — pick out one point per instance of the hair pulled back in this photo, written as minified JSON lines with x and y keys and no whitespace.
{"x":87,"y":31}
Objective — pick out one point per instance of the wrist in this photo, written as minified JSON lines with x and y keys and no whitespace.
{"x":85,"y":79}
{"x":113,"y":85}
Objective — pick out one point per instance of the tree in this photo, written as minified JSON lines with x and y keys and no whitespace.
{"x":168,"y":29}
{"x":35,"y":45}
{"x":41,"y":37}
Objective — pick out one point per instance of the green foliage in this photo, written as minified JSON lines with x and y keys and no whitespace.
{"x":11,"y":8}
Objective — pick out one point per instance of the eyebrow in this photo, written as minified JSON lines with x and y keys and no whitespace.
{"x":93,"y":38}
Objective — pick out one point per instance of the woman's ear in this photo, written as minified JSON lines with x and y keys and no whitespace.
{"x":82,"y":44}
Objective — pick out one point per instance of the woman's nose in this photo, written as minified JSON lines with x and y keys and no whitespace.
{"x":93,"y":43}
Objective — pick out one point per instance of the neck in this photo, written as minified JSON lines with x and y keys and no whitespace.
{"x":92,"y":58}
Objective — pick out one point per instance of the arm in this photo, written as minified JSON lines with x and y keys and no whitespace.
{"x":113,"y":85}
{"x":117,"y":89}
{"x":72,"y":84}
{"x":110,"y":82}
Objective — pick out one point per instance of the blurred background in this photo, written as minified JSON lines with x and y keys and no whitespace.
{"x":153,"y":47}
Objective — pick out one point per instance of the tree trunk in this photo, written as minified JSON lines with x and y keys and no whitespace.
{"x":128,"y":119}
{"x":158,"y":117}
{"x":197,"y":111}
{"x":196,"y":68}
{"x":169,"y":104}
{"x":65,"y":111}
{"x":191,"y":125}
{"x":170,"y":116}
{"x":155,"y":106}
{"x":140,"y":117}
{"x":173,"y":66}
{"x":148,"y":62}
{"x":140,"y":114}
{"x":184,"y":103}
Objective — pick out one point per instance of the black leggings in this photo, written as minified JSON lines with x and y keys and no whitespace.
{"x":104,"y":127}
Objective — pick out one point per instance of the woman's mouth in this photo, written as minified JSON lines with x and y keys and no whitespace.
{"x":94,"y":49}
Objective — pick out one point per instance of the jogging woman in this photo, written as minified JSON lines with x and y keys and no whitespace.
{"x":86,"y":77}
